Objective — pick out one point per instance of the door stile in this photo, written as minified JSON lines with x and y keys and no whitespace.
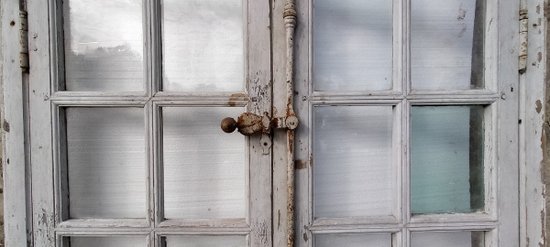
{"x":259,"y":88}
{"x":40,"y":124}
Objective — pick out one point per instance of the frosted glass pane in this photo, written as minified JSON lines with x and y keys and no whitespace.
{"x":107,"y":242}
{"x":352,"y":42}
{"x":205,"y":241}
{"x":203,"y":45}
{"x":106,"y":162}
{"x":353,"y":174}
{"x":447,"y":159}
{"x":204,"y":168}
{"x":447,"y":44}
{"x":448,"y":239}
{"x":353,"y":240}
{"x":103,"y":45}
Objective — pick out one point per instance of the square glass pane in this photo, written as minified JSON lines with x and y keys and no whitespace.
{"x":353,"y":172}
{"x":114,"y":241}
{"x":106,"y":162}
{"x":205,"y":175}
{"x":353,"y":240}
{"x":103,"y":45}
{"x":447,"y":44}
{"x":352,"y":45}
{"x":203,"y":45}
{"x":447,"y":172}
{"x":204,"y":241}
{"x":448,"y":239}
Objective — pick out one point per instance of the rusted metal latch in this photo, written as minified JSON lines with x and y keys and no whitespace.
{"x":250,"y":124}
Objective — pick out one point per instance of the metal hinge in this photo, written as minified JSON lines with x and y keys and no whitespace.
{"x":523,"y":40}
{"x":24,"y":42}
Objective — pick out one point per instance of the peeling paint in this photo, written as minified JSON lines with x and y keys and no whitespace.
{"x":6,"y":126}
{"x":538,"y":106}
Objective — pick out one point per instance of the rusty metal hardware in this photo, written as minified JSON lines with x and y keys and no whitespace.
{"x":250,"y":124}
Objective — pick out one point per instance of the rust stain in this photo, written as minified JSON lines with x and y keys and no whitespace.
{"x":235,"y":98}
{"x":539,"y":106}
{"x":301,"y":164}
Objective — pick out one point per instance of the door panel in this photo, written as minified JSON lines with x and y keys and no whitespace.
{"x":447,"y":159}
{"x":106,"y":242}
{"x":452,"y":239}
{"x":447,"y":44}
{"x":106,"y":163}
{"x":353,"y":240}
{"x":412,"y":160}
{"x":352,"y":45}
{"x":138,"y":91}
{"x":200,"y":241}
{"x":204,"y":169}
{"x":355,"y":174}
{"x":104,"y":45}
{"x":203,"y":45}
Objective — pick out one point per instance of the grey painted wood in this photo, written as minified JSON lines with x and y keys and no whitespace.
{"x":534,"y":82}
{"x":507,"y":127}
{"x":41,"y":126}
{"x":13,"y":133}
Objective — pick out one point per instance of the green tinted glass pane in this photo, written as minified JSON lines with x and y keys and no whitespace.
{"x":447,"y":159}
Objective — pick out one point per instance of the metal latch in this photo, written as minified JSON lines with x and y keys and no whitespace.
{"x":250,"y":124}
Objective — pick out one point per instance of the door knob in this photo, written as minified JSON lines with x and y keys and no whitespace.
{"x":250,"y":124}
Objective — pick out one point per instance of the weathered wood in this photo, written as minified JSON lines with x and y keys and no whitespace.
{"x":14,"y":151}
{"x":534,"y":165}
{"x":40,"y":128}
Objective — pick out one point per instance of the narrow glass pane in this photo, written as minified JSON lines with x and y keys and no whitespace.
{"x":204,"y":168}
{"x":447,"y":44}
{"x":203,"y":45}
{"x":353,"y":173}
{"x":448,"y":239}
{"x":106,"y":162}
{"x":204,"y":241}
{"x":103,"y":45}
{"x":447,"y":159}
{"x":353,"y":240}
{"x":105,"y":242}
{"x":352,"y":42}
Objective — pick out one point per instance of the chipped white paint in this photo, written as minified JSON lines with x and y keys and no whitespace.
{"x":13,"y":133}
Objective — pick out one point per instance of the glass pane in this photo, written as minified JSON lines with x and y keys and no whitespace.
{"x":106,"y":162}
{"x":204,"y":241}
{"x":352,"y":45}
{"x":105,"y":242}
{"x":353,"y":240}
{"x":447,"y":159}
{"x":103,"y":45}
{"x":353,"y":170}
{"x":203,"y":45}
{"x":448,"y":239}
{"x":447,"y":44}
{"x":204,"y":168}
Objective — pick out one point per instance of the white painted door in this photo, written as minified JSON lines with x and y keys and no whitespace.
{"x":408,"y":112}
{"x":408,"y":123}
{"x":127,"y":98}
